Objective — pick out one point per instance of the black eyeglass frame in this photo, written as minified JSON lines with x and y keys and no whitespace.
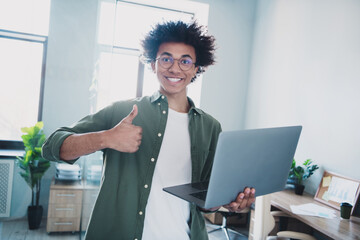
{"x":178,"y":60}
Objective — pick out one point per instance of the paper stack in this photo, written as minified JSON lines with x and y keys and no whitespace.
{"x":312,"y":209}
{"x":68,"y":172}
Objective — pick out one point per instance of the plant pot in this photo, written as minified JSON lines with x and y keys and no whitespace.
{"x":299,"y":189}
{"x":34,"y":216}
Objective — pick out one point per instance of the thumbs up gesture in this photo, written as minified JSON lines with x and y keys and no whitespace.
{"x":125,"y":137}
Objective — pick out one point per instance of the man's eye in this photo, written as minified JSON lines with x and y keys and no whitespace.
{"x":166,"y":59}
{"x":186,"y":61}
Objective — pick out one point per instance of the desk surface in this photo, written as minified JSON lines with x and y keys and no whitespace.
{"x":336,"y":228}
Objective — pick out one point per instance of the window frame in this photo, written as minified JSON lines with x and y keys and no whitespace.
{"x":21,"y":36}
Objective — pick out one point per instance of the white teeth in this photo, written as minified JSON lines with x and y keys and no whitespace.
{"x":174,"y":79}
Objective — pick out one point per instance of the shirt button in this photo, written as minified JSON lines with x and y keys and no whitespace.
{"x":152,"y":159}
{"x":159,"y":104}
{"x":162,"y":97}
{"x":195,"y":114}
{"x":164,"y":112}
{"x":146,"y":186}
{"x":159,"y":134}
{"x":140,"y":213}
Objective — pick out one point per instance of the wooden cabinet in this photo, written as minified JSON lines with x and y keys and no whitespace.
{"x":70,"y":206}
{"x":65,"y":206}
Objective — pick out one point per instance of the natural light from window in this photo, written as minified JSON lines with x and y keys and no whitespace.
{"x":21,"y":76}
{"x":28,"y":16}
{"x":21,"y":61}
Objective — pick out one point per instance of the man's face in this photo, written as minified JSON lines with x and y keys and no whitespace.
{"x":174,"y":78}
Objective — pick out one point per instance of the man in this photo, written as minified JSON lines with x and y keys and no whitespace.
{"x":150,"y":143}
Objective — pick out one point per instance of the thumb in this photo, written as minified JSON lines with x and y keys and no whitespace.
{"x":129,"y":118}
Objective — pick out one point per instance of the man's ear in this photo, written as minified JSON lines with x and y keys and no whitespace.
{"x":153,"y":66}
{"x":196,"y":70}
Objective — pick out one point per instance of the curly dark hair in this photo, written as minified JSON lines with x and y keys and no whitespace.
{"x":177,"y":31}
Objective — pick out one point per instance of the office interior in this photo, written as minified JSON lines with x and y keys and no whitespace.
{"x":278,"y":63}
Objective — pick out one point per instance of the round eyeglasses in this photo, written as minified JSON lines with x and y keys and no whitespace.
{"x":185,"y":63}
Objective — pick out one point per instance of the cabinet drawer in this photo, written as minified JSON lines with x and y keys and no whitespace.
{"x":64,"y":210}
{"x":65,"y":196}
{"x":63,"y":225}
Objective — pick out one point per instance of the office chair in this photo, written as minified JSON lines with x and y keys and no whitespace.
{"x":287,"y":234}
{"x":225,"y":214}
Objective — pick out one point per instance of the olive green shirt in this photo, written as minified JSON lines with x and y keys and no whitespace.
{"x":119,"y":210}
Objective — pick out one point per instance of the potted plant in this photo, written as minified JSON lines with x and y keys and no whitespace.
{"x":300,"y":173}
{"x":32,"y":168}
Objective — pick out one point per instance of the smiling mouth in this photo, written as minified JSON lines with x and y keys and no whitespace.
{"x":174,"y":80}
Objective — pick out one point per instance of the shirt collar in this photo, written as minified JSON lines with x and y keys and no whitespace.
{"x":157,"y":95}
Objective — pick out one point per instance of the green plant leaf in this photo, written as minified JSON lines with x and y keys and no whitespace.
{"x":40,"y":124}
{"x":28,"y":130}
{"x":32,"y":165}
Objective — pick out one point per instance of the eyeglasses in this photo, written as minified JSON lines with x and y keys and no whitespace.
{"x":185,"y":63}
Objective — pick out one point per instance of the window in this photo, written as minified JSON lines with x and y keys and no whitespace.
{"x":120,"y":74}
{"x":23,"y":43}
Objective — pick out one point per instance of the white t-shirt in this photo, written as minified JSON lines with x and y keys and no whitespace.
{"x":166,"y":216}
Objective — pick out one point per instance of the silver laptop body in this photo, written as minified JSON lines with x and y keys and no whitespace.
{"x":259,"y":158}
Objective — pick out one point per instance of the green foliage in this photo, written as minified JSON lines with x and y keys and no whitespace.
{"x":302,"y":172}
{"x":33,"y":166}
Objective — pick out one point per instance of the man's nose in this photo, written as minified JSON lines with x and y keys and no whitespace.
{"x":175,"y":67}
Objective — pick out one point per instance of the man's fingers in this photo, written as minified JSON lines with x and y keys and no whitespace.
{"x":129,"y":118}
{"x":243,"y":200}
{"x":252,"y":193}
{"x":127,"y":137}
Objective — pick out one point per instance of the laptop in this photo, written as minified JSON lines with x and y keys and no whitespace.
{"x":259,"y":158}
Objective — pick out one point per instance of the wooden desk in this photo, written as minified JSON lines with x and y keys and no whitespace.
{"x":336,"y":228}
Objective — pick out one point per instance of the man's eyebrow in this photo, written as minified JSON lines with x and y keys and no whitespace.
{"x":169,"y":54}
{"x":166,"y":53}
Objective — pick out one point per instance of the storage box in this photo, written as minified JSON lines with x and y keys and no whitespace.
{"x":236,"y":219}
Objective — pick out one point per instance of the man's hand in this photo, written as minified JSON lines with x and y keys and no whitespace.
{"x":125,"y":137}
{"x":243,"y":200}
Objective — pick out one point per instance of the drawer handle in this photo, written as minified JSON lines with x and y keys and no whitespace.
{"x":64,"y":209}
{"x":65,"y":195}
{"x":63,"y":223}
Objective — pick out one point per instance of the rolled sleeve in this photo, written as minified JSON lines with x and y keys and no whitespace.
{"x":51,"y":147}
{"x":91,"y":123}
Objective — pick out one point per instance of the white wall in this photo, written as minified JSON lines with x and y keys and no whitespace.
{"x":225,"y":84}
{"x":70,"y":62}
{"x":306,"y":70}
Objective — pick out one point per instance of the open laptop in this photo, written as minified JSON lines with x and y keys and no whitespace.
{"x":259,"y":158}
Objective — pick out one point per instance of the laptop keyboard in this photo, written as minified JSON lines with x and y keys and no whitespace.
{"x":200,"y":195}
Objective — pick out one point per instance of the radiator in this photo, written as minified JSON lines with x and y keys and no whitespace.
{"x":6,"y":182}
